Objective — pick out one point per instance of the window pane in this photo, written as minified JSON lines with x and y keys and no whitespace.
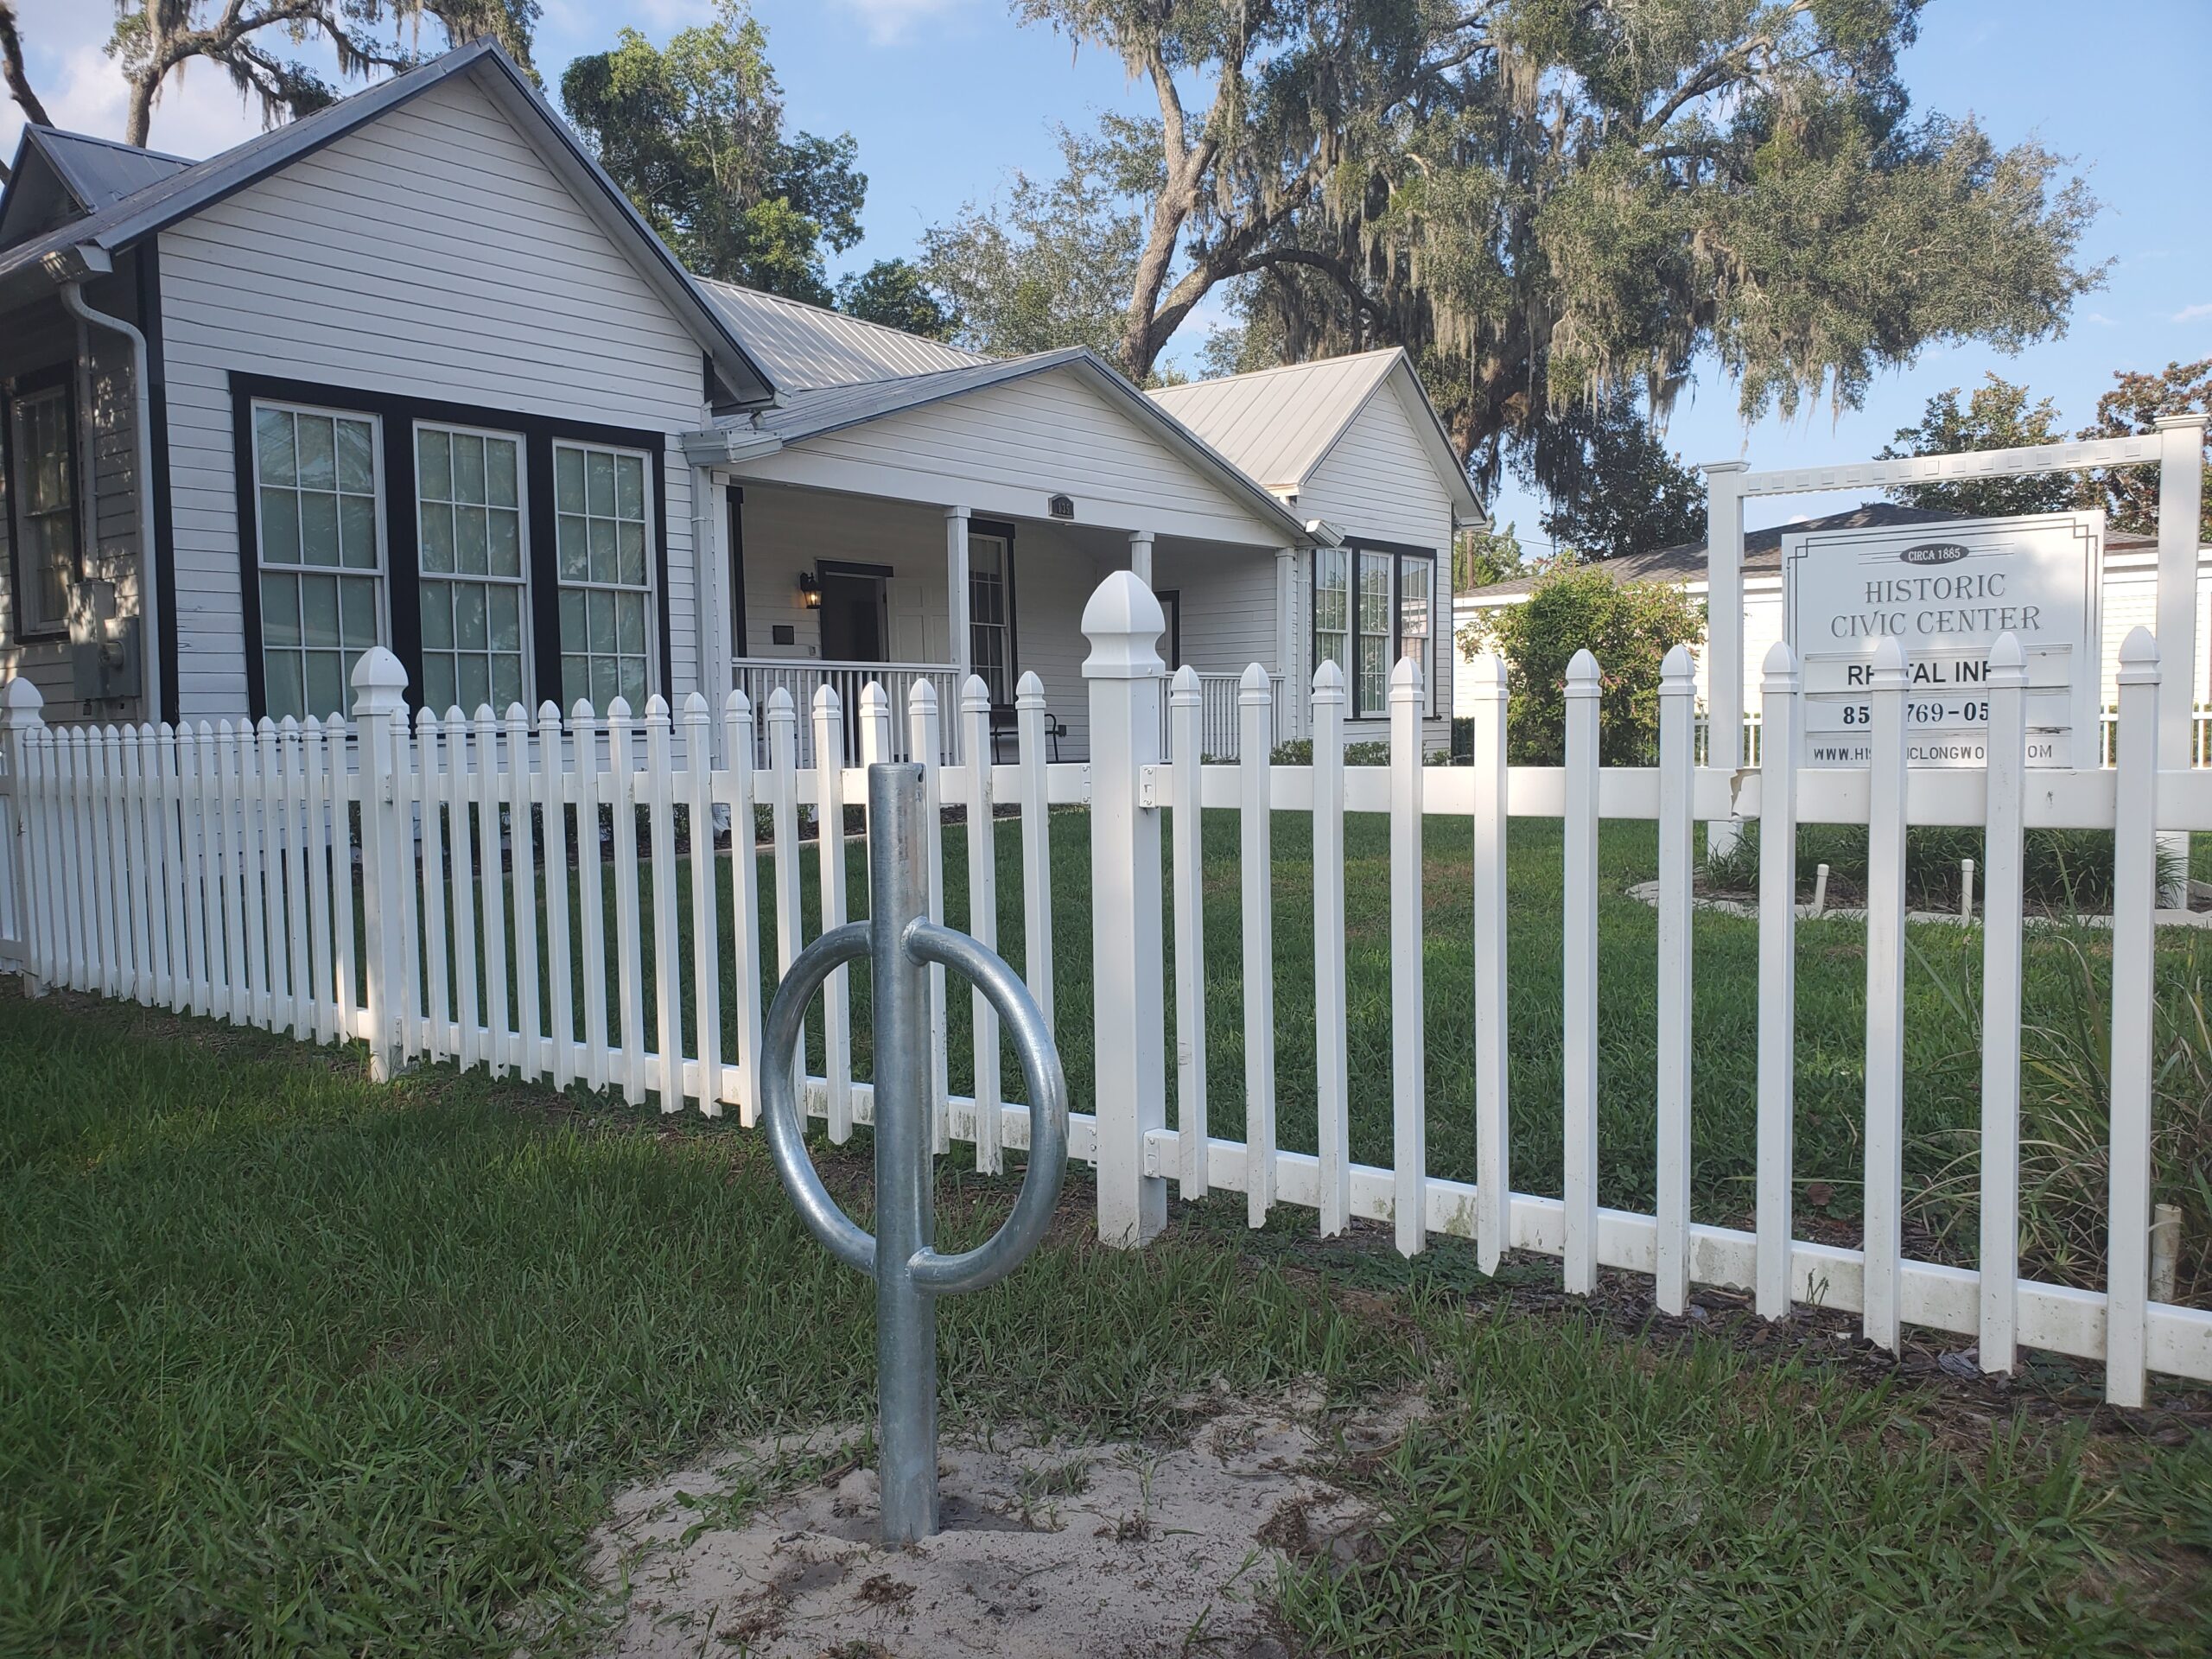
{"x":504,"y":617}
{"x":574,"y":565}
{"x":433,"y":465}
{"x":318,"y":528}
{"x":468,"y":466}
{"x":1329,"y":648}
{"x":468,"y":622}
{"x":437,"y":618}
{"x":357,"y":604}
{"x":326,"y":692}
{"x":280,"y":527}
{"x":506,"y":543}
{"x":630,"y":566}
{"x":633,"y":680}
{"x":568,"y":480}
{"x":599,"y":477}
{"x":318,"y":464}
{"x":356,"y":457}
{"x":604,"y":687}
{"x":471,"y":545}
{"x":474,"y":676}
{"x":602,"y":550}
{"x":575,"y":680}
{"x":629,"y":486}
{"x":572,"y":621}
{"x":438,"y":686}
{"x":506,"y":681}
{"x":280,"y":611}
{"x":630,"y":624}
{"x":436,"y":551}
{"x":602,"y":623}
{"x":319,"y":610}
{"x":357,"y":531}
{"x":272,"y":436}
{"x":283,"y":685}
{"x":499,"y":467}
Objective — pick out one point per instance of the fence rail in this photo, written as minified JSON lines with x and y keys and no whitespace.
{"x":761,"y":677}
{"x":380,"y":879}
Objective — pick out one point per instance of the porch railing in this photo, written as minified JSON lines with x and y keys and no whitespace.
{"x":759,"y":677}
{"x":1218,"y":721}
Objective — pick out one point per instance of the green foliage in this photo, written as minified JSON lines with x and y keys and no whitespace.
{"x":1624,"y":493}
{"x":1629,"y":627}
{"x":1481,"y":557}
{"x":2130,"y":494}
{"x":2063,"y":871}
{"x":1997,"y":415}
{"x":695,"y":135}
{"x":1050,"y":265}
{"x":896,"y":295}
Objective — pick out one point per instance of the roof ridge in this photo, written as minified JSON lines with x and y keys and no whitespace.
{"x":1280,"y":368}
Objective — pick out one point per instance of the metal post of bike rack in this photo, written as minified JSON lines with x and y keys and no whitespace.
{"x":901,"y":944}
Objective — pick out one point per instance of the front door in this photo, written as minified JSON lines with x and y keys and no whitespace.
{"x":852,"y":616}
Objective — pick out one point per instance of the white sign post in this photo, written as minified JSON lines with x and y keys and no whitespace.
{"x":1945,"y":591}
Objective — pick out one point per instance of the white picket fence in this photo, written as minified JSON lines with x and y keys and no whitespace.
{"x":218,"y":872}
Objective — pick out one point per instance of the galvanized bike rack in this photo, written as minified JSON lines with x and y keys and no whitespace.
{"x":901,"y":944}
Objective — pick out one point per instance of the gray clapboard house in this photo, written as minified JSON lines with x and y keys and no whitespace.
{"x":411,"y":371}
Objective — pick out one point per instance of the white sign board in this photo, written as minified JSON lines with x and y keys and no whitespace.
{"x":1945,"y":591}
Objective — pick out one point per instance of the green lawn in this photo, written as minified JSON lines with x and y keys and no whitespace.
{"x":2065,"y":1043}
{"x":293,"y":1364}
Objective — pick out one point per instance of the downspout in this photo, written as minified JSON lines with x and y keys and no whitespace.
{"x":150,"y":640}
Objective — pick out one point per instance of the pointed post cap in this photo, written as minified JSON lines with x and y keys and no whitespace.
{"x":2008,"y":664}
{"x":1781,"y":668}
{"x":1582,"y":676}
{"x":20,"y":703}
{"x":1486,"y":674}
{"x":737,"y":705}
{"x":1254,"y":687}
{"x":875,"y":701}
{"x":826,"y":701}
{"x":1678,"y":673}
{"x":1889,"y":662}
{"x":1405,"y":681}
{"x":1184,"y":687}
{"x":1123,"y":622}
{"x":2138,"y":659}
{"x":976,"y":696}
{"x":1328,"y":682}
{"x":379,"y":682}
{"x":781,"y":705}
{"x":1029,"y":691}
{"x":921,"y":698}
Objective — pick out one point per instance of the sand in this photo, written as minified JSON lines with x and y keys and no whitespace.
{"x":1049,"y":1549}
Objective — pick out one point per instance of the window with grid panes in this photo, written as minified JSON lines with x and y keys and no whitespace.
{"x":1332,"y":607}
{"x":602,"y":530}
{"x":474,"y":578}
{"x":990,"y":634}
{"x":316,"y":477}
{"x":1371,"y":602}
{"x":42,"y":449}
{"x":1416,"y":577}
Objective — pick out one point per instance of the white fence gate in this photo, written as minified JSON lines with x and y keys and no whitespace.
{"x":381,"y":880}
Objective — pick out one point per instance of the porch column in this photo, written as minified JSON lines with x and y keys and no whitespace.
{"x":963,"y":652}
{"x":1724,"y":628}
{"x":1291,"y":715}
{"x":2181,"y":487}
{"x":1141,"y":555}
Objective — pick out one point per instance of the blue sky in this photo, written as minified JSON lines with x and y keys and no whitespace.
{"x":948,"y":98}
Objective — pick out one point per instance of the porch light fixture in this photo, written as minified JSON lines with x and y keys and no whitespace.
{"x":810,"y":591}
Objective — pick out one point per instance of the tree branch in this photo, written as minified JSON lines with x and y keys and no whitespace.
{"x":18,"y":80}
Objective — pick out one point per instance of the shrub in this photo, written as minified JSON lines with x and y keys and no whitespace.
{"x":1628,"y":627}
{"x":2062,"y":870}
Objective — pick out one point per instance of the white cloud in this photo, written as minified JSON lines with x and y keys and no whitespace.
{"x":2100,"y":320}
{"x":888,"y":21}
{"x":2192,"y":313}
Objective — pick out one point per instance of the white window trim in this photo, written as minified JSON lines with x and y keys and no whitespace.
{"x":415,"y":427}
{"x":380,"y":574}
{"x":27,"y":620}
{"x":652,"y":586}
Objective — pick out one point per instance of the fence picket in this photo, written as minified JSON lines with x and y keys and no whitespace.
{"x":554,"y":795}
{"x":1036,"y":845}
{"x":591,"y":893}
{"x":2001,"y":986}
{"x":1777,"y":1038}
{"x":253,"y":863}
{"x":925,"y":721}
{"x":293,"y":755}
{"x":1885,"y":909}
{"x":239,"y":1001}
{"x":668,"y":979}
{"x":830,"y":864}
{"x":202,"y":916}
{"x":744,"y":902}
{"x":706,"y":935}
{"x":95,"y":787}
{"x":1493,"y":1176}
{"x":783,"y":822}
{"x":1677,"y":1012}
{"x":1256,"y":827}
{"x":322,"y":988}
{"x":1579,"y":887}
{"x":1186,"y":850}
{"x":2134,"y":900}
{"x":460,"y":822}
{"x":344,"y":789}
{"x":522,"y":839}
{"x":492,"y":922}
{"x":137,"y":897}
{"x":982,"y":912}
{"x":1331,"y":1011}
{"x":176,"y":987}
{"x":629,"y":934}
{"x":433,"y":760}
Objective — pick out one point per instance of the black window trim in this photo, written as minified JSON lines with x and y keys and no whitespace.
{"x":1403,"y":553}
{"x":32,"y":381}
{"x":396,"y":414}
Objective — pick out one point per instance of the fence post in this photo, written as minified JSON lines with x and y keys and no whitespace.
{"x":1778,"y":1036}
{"x":1123,"y":623}
{"x":20,"y":717}
{"x":379,"y":685}
{"x":2134,"y":898}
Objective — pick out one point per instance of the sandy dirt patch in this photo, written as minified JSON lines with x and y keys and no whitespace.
{"x":1049,"y":1549}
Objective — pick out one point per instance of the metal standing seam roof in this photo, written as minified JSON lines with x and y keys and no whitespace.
{"x":1278,"y":424}
{"x":100,"y":172}
{"x":805,"y":348}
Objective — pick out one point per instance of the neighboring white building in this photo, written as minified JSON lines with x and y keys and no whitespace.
{"x":2130,"y":591}
{"x":415,"y":373}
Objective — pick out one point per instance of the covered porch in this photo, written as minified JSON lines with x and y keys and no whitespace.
{"x":836,"y":590}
